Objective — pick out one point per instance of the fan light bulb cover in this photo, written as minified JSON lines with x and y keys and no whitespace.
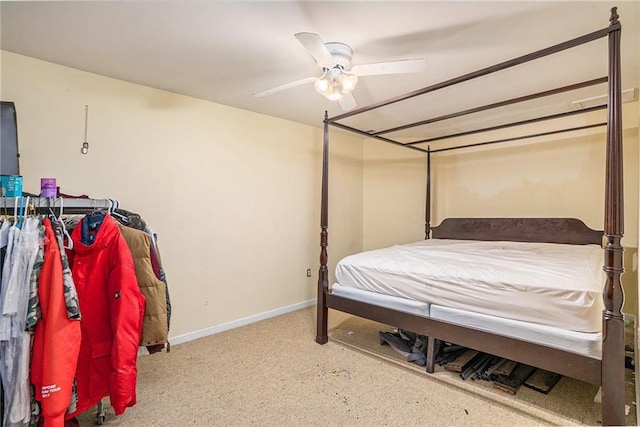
{"x":347,"y":82}
{"x":335,"y":95}
{"x":323,"y":85}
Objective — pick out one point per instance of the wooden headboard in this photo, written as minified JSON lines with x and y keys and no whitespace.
{"x":540,"y":230}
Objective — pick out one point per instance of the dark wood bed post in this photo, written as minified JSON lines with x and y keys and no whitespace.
{"x":613,"y":376}
{"x":323,"y":274}
{"x":427,"y":219}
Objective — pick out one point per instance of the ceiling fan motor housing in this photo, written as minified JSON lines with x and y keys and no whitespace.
{"x":341,"y":53}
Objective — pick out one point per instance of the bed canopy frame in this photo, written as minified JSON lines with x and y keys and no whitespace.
{"x":608,"y":372}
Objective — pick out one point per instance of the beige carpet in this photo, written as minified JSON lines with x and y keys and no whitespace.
{"x":272,"y":373}
{"x":569,"y":402}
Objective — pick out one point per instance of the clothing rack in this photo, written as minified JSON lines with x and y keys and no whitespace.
{"x":30,"y":205}
{"x":58,"y":205}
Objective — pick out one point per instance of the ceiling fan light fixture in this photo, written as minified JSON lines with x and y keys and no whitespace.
{"x":334,"y":95}
{"x":324,"y":85}
{"x":334,"y":83}
{"x":347,"y":82}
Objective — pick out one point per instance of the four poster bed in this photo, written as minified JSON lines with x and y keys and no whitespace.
{"x":540,"y":291}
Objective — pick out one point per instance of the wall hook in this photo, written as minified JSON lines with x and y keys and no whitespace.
{"x":85,"y":144}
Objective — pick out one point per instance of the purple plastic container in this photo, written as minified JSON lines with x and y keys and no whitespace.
{"x":48,"y":187}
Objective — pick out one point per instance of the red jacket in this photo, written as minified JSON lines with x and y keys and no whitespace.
{"x":112,"y":308}
{"x":56,"y":339}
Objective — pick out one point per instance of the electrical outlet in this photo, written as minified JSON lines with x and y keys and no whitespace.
{"x":308,"y":272}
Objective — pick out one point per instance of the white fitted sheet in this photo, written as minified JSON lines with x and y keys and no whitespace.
{"x":398,"y":304}
{"x":544,"y":283}
{"x":583,"y":343}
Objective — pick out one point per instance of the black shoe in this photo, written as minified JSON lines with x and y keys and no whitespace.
{"x":394,"y":341}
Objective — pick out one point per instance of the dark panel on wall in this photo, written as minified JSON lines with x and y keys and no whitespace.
{"x":9,"y":154}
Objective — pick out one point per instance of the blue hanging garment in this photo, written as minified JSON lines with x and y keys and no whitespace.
{"x":90,"y":226}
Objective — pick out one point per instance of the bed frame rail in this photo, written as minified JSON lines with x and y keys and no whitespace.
{"x":573,"y":365}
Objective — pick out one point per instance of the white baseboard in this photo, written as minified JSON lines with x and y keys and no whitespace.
{"x":180,"y":339}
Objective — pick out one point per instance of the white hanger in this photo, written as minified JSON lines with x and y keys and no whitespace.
{"x":25,"y":212}
{"x":15,"y":210}
{"x":113,"y":205}
{"x":64,"y":228}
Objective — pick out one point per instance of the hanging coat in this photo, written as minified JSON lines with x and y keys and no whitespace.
{"x":112,"y":312}
{"x":56,"y":341}
{"x":154,"y":327}
{"x":135,"y":221}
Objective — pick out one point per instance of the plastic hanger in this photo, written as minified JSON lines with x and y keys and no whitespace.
{"x":69,"y":244}
{"x":113,"y":204}
{"x":64,"y":228}
{"x":52,"y":214}
{"x":25,"y":211}
{"x":15,"y":210}
{"x":21,"y":213}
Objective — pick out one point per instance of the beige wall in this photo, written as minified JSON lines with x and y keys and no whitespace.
{"x":563,"y":176}
{"x":234,"y":196}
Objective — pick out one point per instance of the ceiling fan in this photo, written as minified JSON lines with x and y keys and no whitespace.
{"x":339,"y":77}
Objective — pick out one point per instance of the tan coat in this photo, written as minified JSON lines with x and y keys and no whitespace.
{"x":154,"y":326}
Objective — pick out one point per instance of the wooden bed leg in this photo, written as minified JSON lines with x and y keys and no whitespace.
{"x":431,"y":345}
{"x":613,"y":375}
{"x":322,"y":313}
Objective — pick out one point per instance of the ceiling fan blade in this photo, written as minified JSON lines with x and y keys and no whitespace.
{"x":284,"y":86}
{"x":391,"y":67}
{"x":347,"y":102}
{"x":314,"y":44}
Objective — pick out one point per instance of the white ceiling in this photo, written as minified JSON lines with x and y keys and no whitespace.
{"x":224,"y":51}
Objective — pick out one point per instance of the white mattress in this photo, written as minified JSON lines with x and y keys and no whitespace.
{"x":549,"y":284}
{"x":398,"y":304}
{"x":583,"y":343}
